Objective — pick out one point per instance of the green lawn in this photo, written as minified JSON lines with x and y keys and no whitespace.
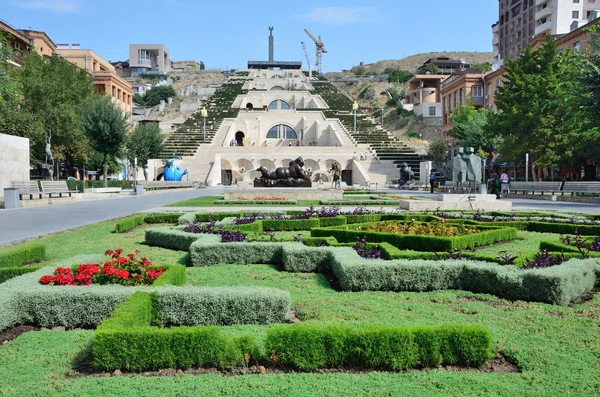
{"x":557,"y":348}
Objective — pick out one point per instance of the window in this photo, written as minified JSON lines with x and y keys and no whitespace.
{"x":575,"y":14}
{"x":576,"y":46}
{"x":282,"y":131}
{"x":432,"y":110}
{"x":273,"y":105}
{"x":477,"y":91}
{"x":279,"y":104}
{"x":575,"y":1}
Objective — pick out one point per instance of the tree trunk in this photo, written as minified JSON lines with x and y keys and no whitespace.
{"x":145,"y":173}
{"x":105,"y":169}
{"x":533,"y":169}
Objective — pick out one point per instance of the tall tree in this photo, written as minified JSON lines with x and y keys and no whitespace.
{"x":54,"y":91}
{"x":437,"y":151}
{"x":469,"y":126}
{"x":144,"y":143}
{"x":534,"y":114}
{"x":106,"y":127}
{"x":8,"y":85}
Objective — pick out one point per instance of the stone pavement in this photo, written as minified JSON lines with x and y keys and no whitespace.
{"x":25,"y":223}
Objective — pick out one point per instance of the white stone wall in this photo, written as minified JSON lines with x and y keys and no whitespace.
{"x":14,"y":160}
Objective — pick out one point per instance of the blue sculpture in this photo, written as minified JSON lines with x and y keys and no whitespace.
{"x":172,"y":172}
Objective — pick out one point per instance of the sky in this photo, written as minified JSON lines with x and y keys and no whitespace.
{"x":228,"y":33}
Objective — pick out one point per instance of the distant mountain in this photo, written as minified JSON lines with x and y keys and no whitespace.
{"x":413,"y":62}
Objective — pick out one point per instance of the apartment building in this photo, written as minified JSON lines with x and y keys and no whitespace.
{"x":149,"y":58}
{"x":17,"y":41}
{"x":40,"y":42}
{"x":520,"y":20}
{"x":422,"y":95}
{"x":105,"y":77}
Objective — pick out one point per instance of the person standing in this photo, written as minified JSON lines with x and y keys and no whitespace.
{"x":494,"y":182}
{"x":432,"y":179}
{"x":504,"y":182}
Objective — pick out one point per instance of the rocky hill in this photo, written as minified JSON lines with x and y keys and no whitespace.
{"x":413,"y":62}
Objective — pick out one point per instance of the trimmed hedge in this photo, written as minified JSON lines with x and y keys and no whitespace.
{"x":173,"y":238}
{"x":360,"y":202}
{"x":23,"y":256}
{"x":162,"y":218}
{"x":127,"y":224}
{"x":216,"y":216}
{"x":6,"y":273}
{"x":319,"y":241}
{"x":222,"y":305}
{"x":302,"y":259}
{"x":126,"y":341}
{"x":310,"y":347}
{"x":556,"y":285}
{"x":257,"y":202}
{"x":290,"y":224}
{"x":563,"y":228}
{"x":206,"y":252}
{"x":487,"y":236}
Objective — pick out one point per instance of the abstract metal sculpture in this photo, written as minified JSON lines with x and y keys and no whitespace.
{"x":172,"y":172}
{"x":292,"y":176}
{"x":466,"y":168}
{"x":406,"y":174}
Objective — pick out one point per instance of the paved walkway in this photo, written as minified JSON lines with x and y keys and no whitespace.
{"x":25,"y":223}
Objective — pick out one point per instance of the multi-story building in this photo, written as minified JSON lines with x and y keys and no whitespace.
{"x":40,"y":42}
{"x":17,"y":41}
{"x":422,"y":95}
{"x":105,"y":77}
{"x":149,"y":58}
{"x":520,"y":20}
{"x":447,"y":66}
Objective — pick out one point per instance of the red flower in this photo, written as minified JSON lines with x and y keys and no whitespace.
{"x":47,"y":279}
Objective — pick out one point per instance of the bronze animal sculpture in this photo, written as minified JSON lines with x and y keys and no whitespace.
{"x":292,"y":176}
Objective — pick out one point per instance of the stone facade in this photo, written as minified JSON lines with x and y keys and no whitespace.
{"x":14,"y":160}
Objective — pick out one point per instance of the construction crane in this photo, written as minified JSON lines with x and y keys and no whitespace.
{"x":307,"y":61}
{"x":320,"y":49}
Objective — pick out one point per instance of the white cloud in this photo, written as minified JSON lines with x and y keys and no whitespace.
{"x":340,"y":15}
{"x":51,"y":5}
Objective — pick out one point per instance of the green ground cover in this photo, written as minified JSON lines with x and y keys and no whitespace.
{"x":556,"y":347}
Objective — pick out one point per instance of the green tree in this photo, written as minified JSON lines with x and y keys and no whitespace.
{"x":437,"y":151}
{"x":156,"y":94}
{"x":482,"y":67}
{"x":429,"y":67}
{"x":535,"y":114}
{"x":106,"y":127}
{"x":359,"y":71}
{"x":144,"y":143}
{"x":469,"y":127}
{"x":137,"y":98}
{"x":54,"y":92}
{"x":8,"y":86}
{"x":398,"y":76}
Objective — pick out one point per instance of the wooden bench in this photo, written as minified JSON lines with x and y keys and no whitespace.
{"x":581,"y":188}
{"x":56,"y":187}
{"x":533,"y":187}
{"x":27,"y":188}
{"x":151,"y":185}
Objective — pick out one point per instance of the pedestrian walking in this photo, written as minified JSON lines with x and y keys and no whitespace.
{"x":504,"y":182}
{"x":432,"y":180}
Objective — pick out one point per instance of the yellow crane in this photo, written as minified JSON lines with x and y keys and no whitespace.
{"x":307,"y":61}
{"x":320,"y":49}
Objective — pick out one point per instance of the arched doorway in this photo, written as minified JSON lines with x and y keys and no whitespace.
{"x":239,"y":137}
{"x":249,"y":106}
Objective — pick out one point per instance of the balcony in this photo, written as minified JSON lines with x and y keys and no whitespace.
{"x":477,"y":100}
{"x":544,"y":12}
{"x":495,"y":40}
{"x":144,"y":62}
{"x":540,"y":2}
{"x":543,"y":28}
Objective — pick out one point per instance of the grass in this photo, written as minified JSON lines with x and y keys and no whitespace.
{"x":557,"y":348}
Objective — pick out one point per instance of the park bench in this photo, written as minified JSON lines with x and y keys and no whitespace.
{"x":581,"y":188}
{"x":155,"y":185}
{"x":27,"y":188}
{"x":56,"y":187}
{"x":446,"y":186}
{"x":535,"y":187}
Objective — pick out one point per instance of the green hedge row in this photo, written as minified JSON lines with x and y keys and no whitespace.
{"x":127,"y":224}
{"x":6,"y":273}
{"x":126,"y":341}
{"x":310,"y":347}
{"x":266,"y":225}
{"x":173,"y":275}
{"x":222,"y":305}
{"x":208,"y":252}
{"x":173,"y":238}
{"x":487,"y":236}
{"x":359,"y":202}
{"x":563,"y":228}
{"x":256,"y":202}
{"x":162,"y":218}
{"x":23,"y":256}
{"x":556,"y":285}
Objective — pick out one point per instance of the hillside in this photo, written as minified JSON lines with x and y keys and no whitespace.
{"x":413,"y":62}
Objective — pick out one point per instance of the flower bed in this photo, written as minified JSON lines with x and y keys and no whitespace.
{"x":435,"y":228}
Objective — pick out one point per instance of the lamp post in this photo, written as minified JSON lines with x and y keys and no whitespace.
{"x":204,"y":113}
{"x":355,"y":108}
{"x":381,"y":116}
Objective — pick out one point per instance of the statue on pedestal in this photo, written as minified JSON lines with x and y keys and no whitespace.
{"x":292,"y":176}
{"x":466,"y":168}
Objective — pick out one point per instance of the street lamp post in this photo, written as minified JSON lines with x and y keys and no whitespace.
{"x":355,"y":108}
{"x":381,"y":116}
{"x":204,"y":113}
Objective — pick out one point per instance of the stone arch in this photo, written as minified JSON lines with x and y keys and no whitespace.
{"x":236,"y":174}
{"x":225,"y":165}
{"x":268,"y":164}
{"x":277,"y":88}
{"x":320,"y":175}
{"x":244,"y":163}
{"x":282,"y":131}
{"x":312,"y":164}
{"x":286,"y":162}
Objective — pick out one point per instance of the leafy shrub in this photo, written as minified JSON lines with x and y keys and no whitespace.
{"x":310,"y":347}
{"x":6,"y":273}
{"x":435,"y":228}
{"x":222,"y":305}
{"x":23,"y":256}
{"x":127,"y":224}
{"x":298,"y":258}
{"x":365,"y":251}
{"x":172,"y":238}
{"x":162,"y":218}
